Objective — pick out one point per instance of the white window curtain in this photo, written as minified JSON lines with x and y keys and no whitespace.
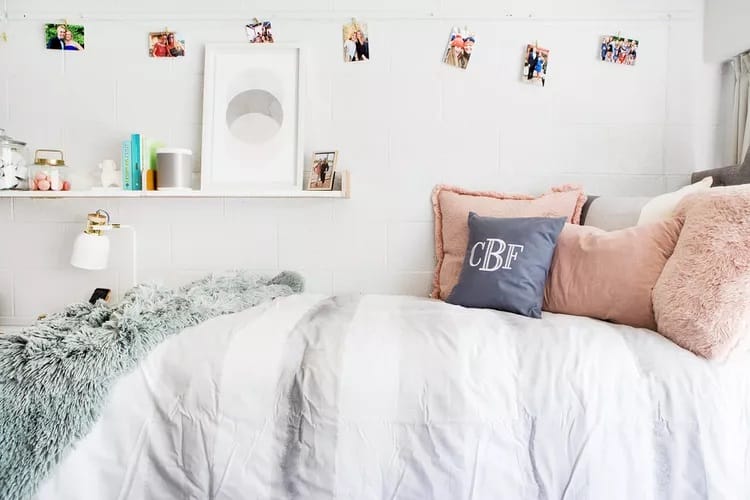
{"x":740,"y":126}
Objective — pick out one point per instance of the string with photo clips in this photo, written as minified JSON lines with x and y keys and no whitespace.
{"x":325,"y":16}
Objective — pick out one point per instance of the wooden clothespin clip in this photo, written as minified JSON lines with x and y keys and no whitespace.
{"x":65,"y":22}
{"x":354,"y":21}
{"x":536,"y":44}
{"x":166,"y":29}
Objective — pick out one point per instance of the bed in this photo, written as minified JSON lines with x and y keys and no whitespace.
{"x":393,"y":397}
{"x":306,"y":396}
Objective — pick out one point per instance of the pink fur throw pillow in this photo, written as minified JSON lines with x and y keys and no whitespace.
{"x":610,"y":275}
{"x":452,"y":206}
{"x":702,"y":298}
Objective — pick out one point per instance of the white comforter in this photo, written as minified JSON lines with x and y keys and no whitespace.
{"x":383,"y":397}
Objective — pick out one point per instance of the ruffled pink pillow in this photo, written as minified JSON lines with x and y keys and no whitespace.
{"x":610,"y":275}
{"x":702,"y":298}
{"x":452,"y":206}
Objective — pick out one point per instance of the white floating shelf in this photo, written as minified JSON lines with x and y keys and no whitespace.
{"x":105,"y":193}
{"x":172,"y":194}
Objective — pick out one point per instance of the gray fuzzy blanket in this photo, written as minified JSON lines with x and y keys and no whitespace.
{"x":55,"y":376}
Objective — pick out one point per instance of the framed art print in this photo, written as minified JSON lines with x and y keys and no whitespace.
{"x":252,"y":110}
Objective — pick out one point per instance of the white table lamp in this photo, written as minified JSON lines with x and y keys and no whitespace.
{"x":91,"y":247}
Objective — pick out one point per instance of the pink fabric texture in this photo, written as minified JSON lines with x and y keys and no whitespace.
{"x":702,"y":298}
{"x":610,"y":275}
{"x":452,"y":206}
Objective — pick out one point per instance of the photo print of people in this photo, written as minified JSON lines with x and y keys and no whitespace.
{"x":460,"y":47}
{"x":323,"y":170}
{"x":64,"y":36}
{"x":259,"y":32}
{"x":535,"y":61}
{"x":618,"y":50}
{"x":356,"y":42}
{"x":165,"y":44}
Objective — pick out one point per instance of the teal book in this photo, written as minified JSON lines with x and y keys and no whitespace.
{"x":126,"y":166}
{"x":136,"y":158}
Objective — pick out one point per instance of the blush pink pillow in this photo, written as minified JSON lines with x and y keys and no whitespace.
{"x":452,"y":206}
{"x":702,"y":299}
{"x":610,"y":275}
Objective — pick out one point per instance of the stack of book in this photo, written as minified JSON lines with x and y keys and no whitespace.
{"x":139,"y":163}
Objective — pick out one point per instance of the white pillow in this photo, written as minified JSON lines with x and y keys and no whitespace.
{"x":615,"y":212}
{"x":662,"y":207}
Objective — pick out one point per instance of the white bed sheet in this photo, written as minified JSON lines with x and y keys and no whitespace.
{"x":385,"y":397}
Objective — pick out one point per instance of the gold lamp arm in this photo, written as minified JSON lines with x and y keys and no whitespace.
{"x":99,"y":222}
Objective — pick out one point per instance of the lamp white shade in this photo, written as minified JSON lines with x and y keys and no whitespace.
{"x":90,"y":251}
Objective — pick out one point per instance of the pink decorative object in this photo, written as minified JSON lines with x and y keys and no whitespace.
{"x":40,"y":176}
{"x":66,"y":186}
{"x":610,"y":275}
{"x":702,"y":298}
{"x":43,"y":185}
{"x":452,"y":205}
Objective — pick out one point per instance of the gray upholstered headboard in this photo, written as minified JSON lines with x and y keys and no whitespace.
{"x":727,"y":176}
{"x":612,"y":212}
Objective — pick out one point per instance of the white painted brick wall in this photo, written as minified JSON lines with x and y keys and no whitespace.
{"x":403,"y":123}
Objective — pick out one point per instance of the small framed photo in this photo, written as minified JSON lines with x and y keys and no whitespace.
{"x":322,"y":171}
{"x":64,"y":36}
{"x":165,"y":44}
{"x":259,"y":32}
{"x":618,"y":50}
{"x":356,"y":42}
{"x":460,"y":47}
{"x":535,"y":63}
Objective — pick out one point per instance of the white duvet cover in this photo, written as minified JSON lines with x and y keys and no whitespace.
{"x":383,"y":397}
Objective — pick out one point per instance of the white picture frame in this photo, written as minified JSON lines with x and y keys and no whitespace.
{"x":253,"y":99}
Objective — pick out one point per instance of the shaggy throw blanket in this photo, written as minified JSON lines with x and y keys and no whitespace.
{"x":55,"y":376}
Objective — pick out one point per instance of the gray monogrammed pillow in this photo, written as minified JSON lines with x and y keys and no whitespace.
{"x":506,"y":263}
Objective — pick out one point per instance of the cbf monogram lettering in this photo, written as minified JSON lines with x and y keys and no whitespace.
{"x":488,"y":254}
